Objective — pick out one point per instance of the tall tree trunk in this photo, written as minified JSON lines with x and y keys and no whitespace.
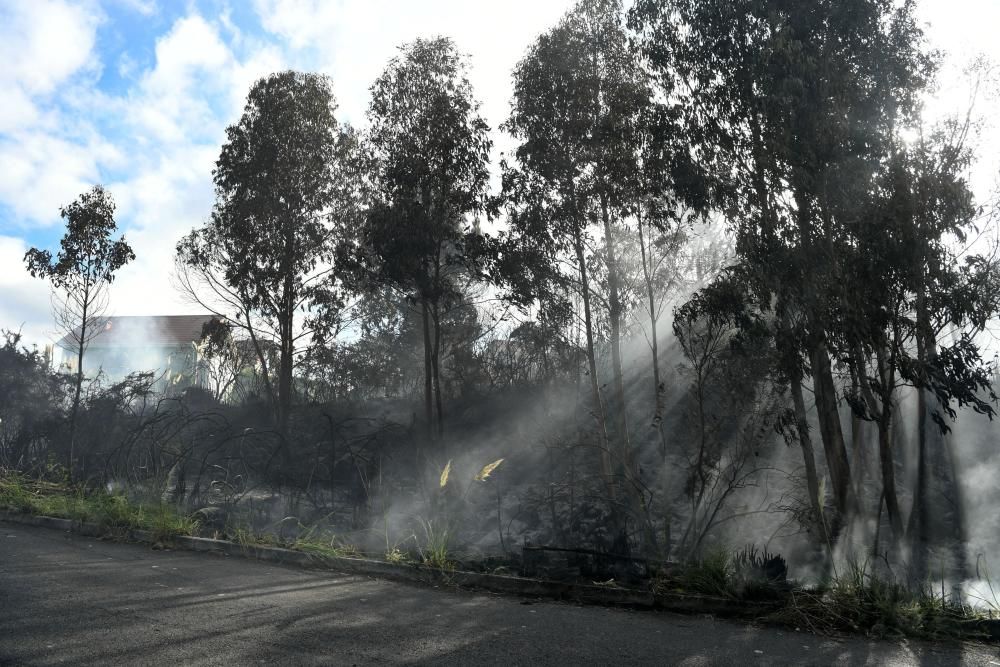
{"x":916,"y":529}
{"x":262,"y":360}
{"x":654,"y":343}
{"x":917,"y":526}
{"x":827,"y":411}
{"x":595,"y":388}
{"x":81,"y":345}
{"x":428,"y":370}
{"x":885,"y":447}
{"x":285,"y":361}
{"x":615,"y":317}
{"x":828,"y":414}
{"x":629,"y":469}
{"x":857,"y":444}
{"x":286,"y":322}
{"x":809,"y":458}
{"x":284,"y":382}
{"x":436,"y":362}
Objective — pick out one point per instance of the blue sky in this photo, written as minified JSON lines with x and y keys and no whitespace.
{"x":136,"y":95}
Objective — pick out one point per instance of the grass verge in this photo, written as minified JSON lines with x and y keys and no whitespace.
{"x":858,"y":600}
{"x":113,"y":511}
{"x":861,"y":601}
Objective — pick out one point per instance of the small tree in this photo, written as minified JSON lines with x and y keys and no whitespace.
{"x":81,"y":273}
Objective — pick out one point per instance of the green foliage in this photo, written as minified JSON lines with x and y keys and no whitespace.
{"x":435,"y":550}
{"x":986,"y":596}
{"x":273,"y":179}
{"x":712,"y":574}
{"x":396,"y":556}
{"x":748,"y":575}
{"x":88,"y":256}
{"x":579,"y":111}
{"x":323,"y":545}
{"x":112,"y":511}
{"x":857,"y":600}
{"x":32,"y":400}
{"x":429,"y":169}
{"x":280,"y":181}
{"x":14,"y":492}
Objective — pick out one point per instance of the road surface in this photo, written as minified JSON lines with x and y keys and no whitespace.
{"x":66,"y":599}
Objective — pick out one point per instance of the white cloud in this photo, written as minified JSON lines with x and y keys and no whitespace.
{"x":17,"y":110}
{"x":43,"y":45}
{"x":43,"y":172}
{"x":353,"y":40}
{"x":178,"y":113}
{"x":44,"y":42}
{"x":126,"y":65}
{"x":174,"y":97}
{"x":302,"y":23}
{"x":26,"y":305}
{"x":144,"y":7}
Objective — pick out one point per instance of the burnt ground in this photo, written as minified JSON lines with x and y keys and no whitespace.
{"x":67,"y":599}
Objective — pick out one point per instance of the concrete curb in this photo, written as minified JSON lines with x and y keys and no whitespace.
{"x":603,"y":595}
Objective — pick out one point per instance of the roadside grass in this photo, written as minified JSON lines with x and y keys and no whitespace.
{"x":397,"y":557}
{"x":749,"y":575}
{"x":113,"y":511}
{"x":436,"y":551}
{"x":857,"y":600}
{"x":862,"y":601}
{"x":712,"y":574}
{"x":323,"y":545}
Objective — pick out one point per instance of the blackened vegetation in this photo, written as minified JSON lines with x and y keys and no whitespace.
{"x":718,"y":299}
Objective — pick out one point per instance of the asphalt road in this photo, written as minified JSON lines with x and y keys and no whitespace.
{"x":66,"y":599}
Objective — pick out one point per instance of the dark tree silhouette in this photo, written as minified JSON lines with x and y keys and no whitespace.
{"x":792,"y":110}
{"x":268,"y":248}
{"x":430,"y":158}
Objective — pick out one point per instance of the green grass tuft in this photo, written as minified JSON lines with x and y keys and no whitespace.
{"x":436,"y":552}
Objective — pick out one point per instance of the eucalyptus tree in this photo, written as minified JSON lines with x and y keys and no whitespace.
{"x":81,"y":274}
{"x":579,"y":103}
{"x":954,"y":292}
{"x":267,"y":251}
{"x":913,"y":287}
{"x":792,"y":105}
{"x":429,"y":150}
{"x":671,"y":195}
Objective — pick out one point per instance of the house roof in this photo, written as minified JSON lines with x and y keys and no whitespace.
{"x":145,"y":331}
